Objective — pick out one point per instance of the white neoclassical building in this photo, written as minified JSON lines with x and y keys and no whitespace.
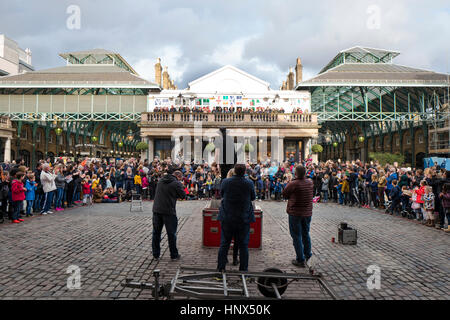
{"x":230,"y":87}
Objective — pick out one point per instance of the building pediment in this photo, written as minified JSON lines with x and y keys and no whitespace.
{"x":230,"y":80}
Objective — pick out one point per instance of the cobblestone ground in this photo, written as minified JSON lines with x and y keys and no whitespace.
{"x":109,"y":244}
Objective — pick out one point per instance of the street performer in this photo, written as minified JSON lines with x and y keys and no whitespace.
{"x":168,"y":190}
{"x":235,"y":215}
{"x":299,"y":208}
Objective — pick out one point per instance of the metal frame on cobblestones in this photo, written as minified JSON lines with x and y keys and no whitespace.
{"x":193,"y":286}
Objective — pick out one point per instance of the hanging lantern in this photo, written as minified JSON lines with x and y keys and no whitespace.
{"x":130,"y":135}
{"x":120,"y":144}
{"x":335,"y":144}
{"x":58,"y":131}
{"x":94,"y":139}
{"x":361,"y":139}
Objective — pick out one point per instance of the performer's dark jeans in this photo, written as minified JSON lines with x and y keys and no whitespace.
{"x":171,"y":223}
{"x":241,"y":233}
{"x":299,"y":229}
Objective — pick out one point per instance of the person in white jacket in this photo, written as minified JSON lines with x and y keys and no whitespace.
{"x":49,"y":187}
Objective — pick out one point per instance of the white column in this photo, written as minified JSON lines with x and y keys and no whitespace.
{"x":7,"y":150}
{"x":281,"y":149}
{"x":151,"y":149}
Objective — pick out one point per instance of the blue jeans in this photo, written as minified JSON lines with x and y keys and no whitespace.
{"x":37,"y":202}
{"x":299,"y":229}
{"x":29,"y":206}
{"x":16,"y":210}
{"x":325,"y":195}
{"x":48,"y":196}
{"x":241,"y":234}
{"x":341,"y":197}
{"x":59,"y":197}
{"x":171,"y":223}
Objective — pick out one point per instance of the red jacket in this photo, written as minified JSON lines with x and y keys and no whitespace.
{"x":420,"y":193}
{"x":18,"y":194}
{"x":86,"y":188}
{"x":299,"y":194}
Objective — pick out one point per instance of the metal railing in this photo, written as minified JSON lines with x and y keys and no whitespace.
{"x":247,"y":118}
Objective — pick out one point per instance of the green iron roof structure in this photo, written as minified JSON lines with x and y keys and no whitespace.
{"x":362,"y":84}
{"x":95,"y":85}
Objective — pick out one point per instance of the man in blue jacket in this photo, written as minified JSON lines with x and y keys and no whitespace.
{"x":235,"y":215}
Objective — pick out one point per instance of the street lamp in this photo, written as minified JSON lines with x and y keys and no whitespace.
{"x":335,"y":144}
{"x":361,"y":139}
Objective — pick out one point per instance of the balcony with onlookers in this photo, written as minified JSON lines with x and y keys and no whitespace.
{"x":245,"y":120}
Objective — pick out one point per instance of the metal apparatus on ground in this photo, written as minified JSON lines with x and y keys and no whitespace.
{"x":200,"y":283}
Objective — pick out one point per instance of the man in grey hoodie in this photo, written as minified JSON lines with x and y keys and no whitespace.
{"x":168,"y":190}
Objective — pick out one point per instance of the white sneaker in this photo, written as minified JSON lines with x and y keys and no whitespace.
{"x":44,"y":213}
{"x":49,"y":211}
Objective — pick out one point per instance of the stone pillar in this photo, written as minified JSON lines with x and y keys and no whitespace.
{"x":151,"y":149}
{"x":7,"y":150}
{"x":298,"y":71}
{"x":158,"y":72}
{"x":290,"y":79}
{"x":165,"y":79}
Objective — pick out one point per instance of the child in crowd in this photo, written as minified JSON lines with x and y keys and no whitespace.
{"x":278,"y":189}
{"x":394,"y":195}
{"x":339,"y":191}
{"x":30,"y":194}
{"x":325,"y":182}
{"x":209,"y":187}
{"x":415,"y":205}
{"x":86,"y":189}
{"x":405,"y":199}
{"x":373,"y":187}
{"x":145,"y":185}
{"x":95,"y":181}
{"x":138,"y":183}
{"x":18,"y":195}
{"x":428,"y":205}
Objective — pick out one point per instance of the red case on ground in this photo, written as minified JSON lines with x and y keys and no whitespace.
{"x":211,"y":229}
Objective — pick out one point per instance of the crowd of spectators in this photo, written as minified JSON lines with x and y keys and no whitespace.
{"x":231,"y":109}
{"x":423,"y":195}
{"x":418,"y":194}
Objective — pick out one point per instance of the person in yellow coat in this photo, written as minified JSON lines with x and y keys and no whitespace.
{"x":95,"y":181}
{"x":138,"y":182}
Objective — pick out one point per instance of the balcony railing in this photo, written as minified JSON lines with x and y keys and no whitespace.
{"x":234,"y":119}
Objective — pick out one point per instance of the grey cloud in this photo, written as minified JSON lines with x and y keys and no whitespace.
{"x":281,"y":31}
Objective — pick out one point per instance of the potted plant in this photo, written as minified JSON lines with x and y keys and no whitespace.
{"x":317,"y":148}
{"x":142,"y":146}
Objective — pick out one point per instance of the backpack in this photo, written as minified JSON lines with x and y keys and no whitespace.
{"x":4,"y":191}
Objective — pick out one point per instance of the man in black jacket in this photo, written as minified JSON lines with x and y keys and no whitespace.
{"x":235,"y":215}
{"x":168,"y":190}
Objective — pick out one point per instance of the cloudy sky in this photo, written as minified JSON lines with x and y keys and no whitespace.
{"x":262,"y":37}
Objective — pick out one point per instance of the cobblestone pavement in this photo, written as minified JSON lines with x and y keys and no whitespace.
{"x":109,"y":244}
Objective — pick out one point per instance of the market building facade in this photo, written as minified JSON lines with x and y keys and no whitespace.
{"x":277,"y":124}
